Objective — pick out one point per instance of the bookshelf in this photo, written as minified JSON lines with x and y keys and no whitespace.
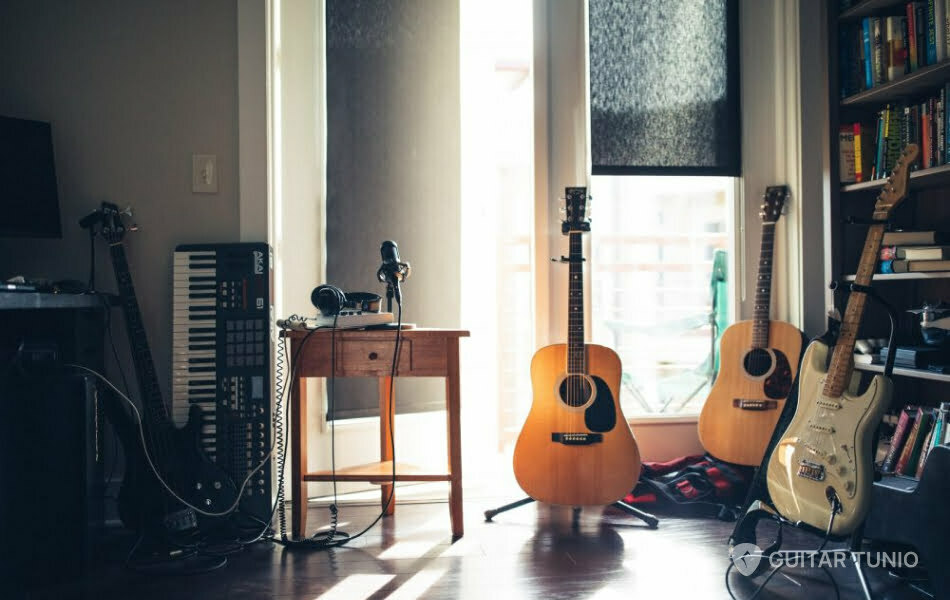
{"x":926,"y":208}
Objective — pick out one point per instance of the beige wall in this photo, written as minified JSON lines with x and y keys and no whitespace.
{"x":132,"y":89}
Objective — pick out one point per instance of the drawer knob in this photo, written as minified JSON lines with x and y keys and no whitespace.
{"x":373,"y":356}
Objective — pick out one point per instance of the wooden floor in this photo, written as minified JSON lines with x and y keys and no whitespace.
{"x":530,"y":552}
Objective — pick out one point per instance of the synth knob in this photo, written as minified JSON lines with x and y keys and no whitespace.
{"x":217,"y":485}
{"x":198,"y":486}
{"x":849,"y":486}
{"x":832,"y":459}
{"x":207,"y":501}
{"x":842,"y":470}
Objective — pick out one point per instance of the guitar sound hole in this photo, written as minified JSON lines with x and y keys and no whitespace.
{"x":757,"y":362}
{"x":575,"y":390}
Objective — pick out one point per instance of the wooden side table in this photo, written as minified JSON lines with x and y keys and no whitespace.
{"x":369,"y":353}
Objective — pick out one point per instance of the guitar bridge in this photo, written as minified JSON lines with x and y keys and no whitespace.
{"x":577,"y":439}
{"x":810,"y":470}
{"x":745,"y":404}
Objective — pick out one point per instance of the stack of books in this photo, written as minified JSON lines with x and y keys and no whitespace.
{"x":915,"y":251}
{"x":918,"y":357}
{"x":918,"y":430}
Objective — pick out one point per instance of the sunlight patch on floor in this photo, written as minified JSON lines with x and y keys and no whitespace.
{"x":401,"y":550}
{"x":416,"y":585}
{"x":356,"y":587}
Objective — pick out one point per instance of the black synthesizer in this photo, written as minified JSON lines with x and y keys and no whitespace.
{"x":221,"y":358}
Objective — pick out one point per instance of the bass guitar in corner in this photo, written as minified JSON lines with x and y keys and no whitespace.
{"x":576,"y":447}
{"x":759,"y":360}
{"x":145,"y":505}
{"x":820,"y":472}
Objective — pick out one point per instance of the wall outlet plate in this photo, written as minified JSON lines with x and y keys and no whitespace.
{"x":204,"y":173}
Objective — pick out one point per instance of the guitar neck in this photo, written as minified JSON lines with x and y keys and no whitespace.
{"x":152,"y":402}
{"x":842,"y":361}
{"x":763,"y":288}
{"x":576,"y":356}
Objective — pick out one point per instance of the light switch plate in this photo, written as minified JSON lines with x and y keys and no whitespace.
{"x":204,"y":173}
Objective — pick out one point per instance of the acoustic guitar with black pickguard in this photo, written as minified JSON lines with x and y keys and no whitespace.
{"x":576,"y":447}
{"x":758,"y":362}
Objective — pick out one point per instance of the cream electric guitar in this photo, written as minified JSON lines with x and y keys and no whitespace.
{"x":759,"y":362}
{"x":576,"y":447}
{"x":824,"y":459}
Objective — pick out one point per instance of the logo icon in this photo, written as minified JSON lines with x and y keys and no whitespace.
{"x":746,"y":558}
{"x":258,"y":262}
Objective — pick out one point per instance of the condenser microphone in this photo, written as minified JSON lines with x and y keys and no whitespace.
{"x":393,"y":270}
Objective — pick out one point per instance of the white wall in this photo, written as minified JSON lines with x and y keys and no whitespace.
{"x":132,"y":89}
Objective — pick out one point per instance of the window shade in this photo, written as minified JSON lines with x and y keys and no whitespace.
{"x":664,"y":87}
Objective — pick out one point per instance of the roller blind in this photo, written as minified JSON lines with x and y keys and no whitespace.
{"x":664,"y":87}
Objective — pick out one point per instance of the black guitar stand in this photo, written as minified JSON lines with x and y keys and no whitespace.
{"x":759,"y":509}
{"x":651,"y":521}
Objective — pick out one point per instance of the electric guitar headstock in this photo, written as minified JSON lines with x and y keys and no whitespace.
{"x":575,"y":209}
{"x":111,"y":227}
{"x":773,"y":203}
{"x":895,"y":189}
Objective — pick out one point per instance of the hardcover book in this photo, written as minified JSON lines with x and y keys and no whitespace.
{"x":915,"y":238}
{"x":907,"y":463}
{"x":922,"y":252}
{"x":904,"y":423}
{"x":920,"y":266}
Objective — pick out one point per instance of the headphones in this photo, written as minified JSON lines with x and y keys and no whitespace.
{"x":331,"y":300}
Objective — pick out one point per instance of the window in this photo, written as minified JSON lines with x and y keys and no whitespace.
{"x":654,"y":244}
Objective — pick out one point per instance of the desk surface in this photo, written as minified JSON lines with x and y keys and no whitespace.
{"x":415,"y":332}
{"x":38,"y":300}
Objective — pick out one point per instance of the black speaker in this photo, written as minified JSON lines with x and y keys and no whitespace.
{"x":51,"y":459}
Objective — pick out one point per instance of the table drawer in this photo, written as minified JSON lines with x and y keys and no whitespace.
{"x":418,"y":357}
{"x":372,"y":358}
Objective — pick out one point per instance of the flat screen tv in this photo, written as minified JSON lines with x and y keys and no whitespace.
{"x":29,"y":205}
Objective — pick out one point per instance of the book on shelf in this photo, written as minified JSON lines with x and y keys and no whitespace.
{"x":846,"y":163}
{"x":918,"y":357}
{"x":915,"y":266}
{"x":931,"y":32}
{"x":940,"y":30}
{"x":911,"y":23}
{"x":907,"y":463}
{"x":904,"y":423}
{"x":924,"y":449}
{"x":866,"y":52}
{"x":933,"y":439}
{"x":922,"y":252}
{"x":895,"y":54}
{"x":915,"y":238}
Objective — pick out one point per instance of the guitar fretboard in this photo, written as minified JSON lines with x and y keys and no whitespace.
{"x":763,"y":288}
{"x":576,"y":356}
{"x":152,"y":401}
{"x":842,"y":361}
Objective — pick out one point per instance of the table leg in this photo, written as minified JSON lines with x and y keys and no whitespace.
{"x":387,"y":399}
{"x":298,"y":455}
{"x":454,"y":430}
